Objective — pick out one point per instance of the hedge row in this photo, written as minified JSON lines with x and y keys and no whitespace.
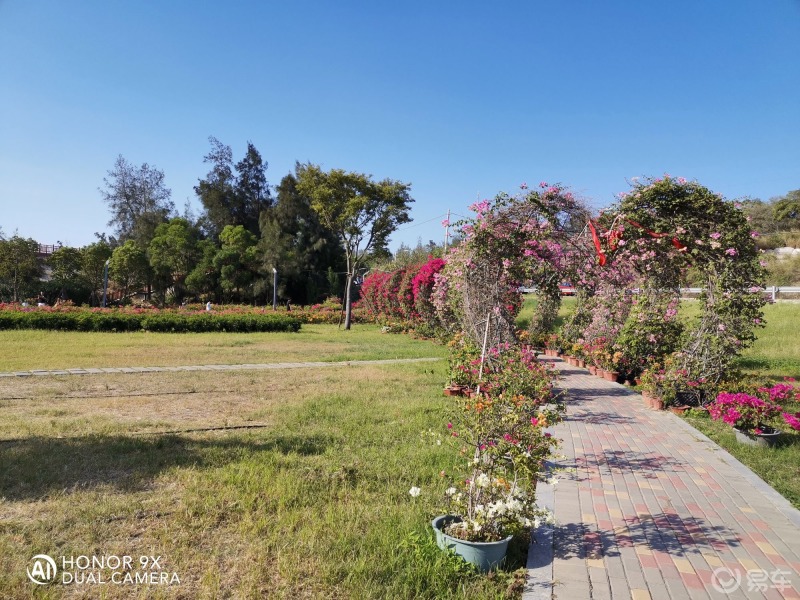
{"x":162,"y":322}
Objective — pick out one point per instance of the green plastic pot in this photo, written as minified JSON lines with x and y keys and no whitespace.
{"x":484,"y":555}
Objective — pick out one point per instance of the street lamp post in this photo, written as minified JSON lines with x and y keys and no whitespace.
{"x":105,"y":282}
{"x":274,"y":288}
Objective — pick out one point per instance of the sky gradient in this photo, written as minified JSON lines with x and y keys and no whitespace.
{"x":461,"y":99}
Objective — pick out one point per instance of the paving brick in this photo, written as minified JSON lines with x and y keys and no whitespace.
{"x":667,"y":505}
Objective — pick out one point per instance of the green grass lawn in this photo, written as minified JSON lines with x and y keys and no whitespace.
{"x":311,"y":502}
{"x":30,"y":349}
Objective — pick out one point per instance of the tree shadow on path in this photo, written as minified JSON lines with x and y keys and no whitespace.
{"x":662,"y":532}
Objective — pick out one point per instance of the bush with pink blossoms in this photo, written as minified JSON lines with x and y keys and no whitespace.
{"x":744,"y":412}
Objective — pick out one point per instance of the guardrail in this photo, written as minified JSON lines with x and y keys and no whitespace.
{"x":770,"y":291}
{"x":47,"y":249}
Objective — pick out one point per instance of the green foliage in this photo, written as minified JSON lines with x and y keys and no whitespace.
{"x":129,"y":268}
{"x":19,"y":268}
{"x":784,"y":271}
{"x":233,"y":195}
{"x":138,"y":200}
{"x":362,"y":212}
{"x":786,"y":211}
{"x":119,"y":321}
{"x":94,"y":257}
{"x":307,"y":254}
{"x":236,"y":261}
{"x":173,"y":254}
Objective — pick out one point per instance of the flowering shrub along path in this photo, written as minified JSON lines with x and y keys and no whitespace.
{"x":650,"y":508}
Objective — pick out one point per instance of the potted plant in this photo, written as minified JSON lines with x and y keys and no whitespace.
{"x":463,"y":366}
{"x":752,"y":418}
{"x":501,"y":435}
{"x":649,"y":387}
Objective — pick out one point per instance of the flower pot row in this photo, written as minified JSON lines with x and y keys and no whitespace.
{"x":652,"y":401}
{"x":459,"y":390}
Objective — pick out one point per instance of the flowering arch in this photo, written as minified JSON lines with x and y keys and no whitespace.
{"x":511,"y":240}
{"x":661,"y":229}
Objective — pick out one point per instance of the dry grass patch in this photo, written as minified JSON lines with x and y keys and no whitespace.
{"x":138,"y":403}
{"x":315,"y":505}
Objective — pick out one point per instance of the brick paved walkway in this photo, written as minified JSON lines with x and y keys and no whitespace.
{"x":654,"y":509}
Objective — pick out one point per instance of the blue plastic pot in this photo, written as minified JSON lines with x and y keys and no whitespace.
{"x":484,"y":555}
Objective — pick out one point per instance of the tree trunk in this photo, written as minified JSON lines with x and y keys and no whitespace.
{"x":348,"y":300}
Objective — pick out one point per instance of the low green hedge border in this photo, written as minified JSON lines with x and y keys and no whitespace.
{"x":162,"y":322}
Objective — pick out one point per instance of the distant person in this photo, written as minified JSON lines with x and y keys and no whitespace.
{"x":208,"y":306}
{"x":41,"y":300}
{"x":288,"y":306}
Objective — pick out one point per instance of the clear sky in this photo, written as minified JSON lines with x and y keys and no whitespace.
{"x":462,"y":99}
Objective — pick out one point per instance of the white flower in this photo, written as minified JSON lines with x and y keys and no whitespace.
{"x":482,"y":480}
{"x":514,"y":505}
{"x":553,"y":480}
{"x":414,"y":491}
{"x":479,"y":508}
{"x":450,"y":491}
{"x":458,"y":497}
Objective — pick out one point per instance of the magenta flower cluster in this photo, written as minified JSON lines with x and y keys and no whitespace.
{"x":743,"y":411}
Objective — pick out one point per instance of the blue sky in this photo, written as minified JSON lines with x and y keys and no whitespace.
{"x":461,"y":99}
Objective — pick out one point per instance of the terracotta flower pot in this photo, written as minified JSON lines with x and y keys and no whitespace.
{"x":610,"y":375}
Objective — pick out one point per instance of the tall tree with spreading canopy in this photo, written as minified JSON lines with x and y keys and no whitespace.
{"x":93,"y":264}
{"x":362,"y":212}
{"x":66,"y":264}
{"x":302,"y":249}
{"x":19,"y":267}
{"x":233,"y":194}
{"x":174,"y":253}
{"x":138,"y":200}
{"x":130,"y":268}
{"x":236,"y":262}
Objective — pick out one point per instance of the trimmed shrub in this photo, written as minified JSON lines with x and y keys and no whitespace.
{"x":112,"y":320}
